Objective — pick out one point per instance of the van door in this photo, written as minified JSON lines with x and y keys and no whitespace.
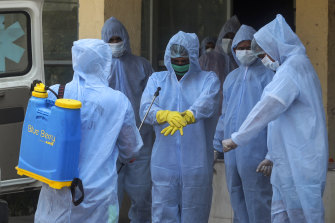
{"x":21,"y":62}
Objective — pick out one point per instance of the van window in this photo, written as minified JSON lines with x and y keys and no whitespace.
{"x":58,"y":37}
{"x":15,"y":43}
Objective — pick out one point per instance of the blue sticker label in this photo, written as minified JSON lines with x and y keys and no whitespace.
{"x":7,"y":48}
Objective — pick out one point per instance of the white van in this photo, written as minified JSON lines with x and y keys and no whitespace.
{"x":21,"y":62}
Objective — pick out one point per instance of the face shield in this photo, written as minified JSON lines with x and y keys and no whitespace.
{"x":256,"y":49}
{"x":179,"y":59}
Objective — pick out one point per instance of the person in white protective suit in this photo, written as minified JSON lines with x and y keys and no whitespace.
{"x":207,"y":45}
{"x":250,"y":191}
{"x":108,"y":131}
{"x":182,"y":164}
{"x":221,"y":60}
{"x":129,"y":74}
{"x":291,"y":107}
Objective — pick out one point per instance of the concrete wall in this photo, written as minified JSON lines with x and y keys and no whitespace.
{"x":221,"y":210}
{"x":92,"y":15}
{"x":91,"y":18}
{"x":312,"y":29}
{"x":315,"y":24}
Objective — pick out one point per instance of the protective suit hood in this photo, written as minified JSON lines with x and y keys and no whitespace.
{"x":278,"y":40}
{"x":204,"y":43}
{"x":91,"y":60}
{"x":191,"y":43}
{"x":114,"y":27}
{"x":232,"y":25}
{"x":244,"y":33}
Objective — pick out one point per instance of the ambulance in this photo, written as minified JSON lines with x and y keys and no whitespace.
{"x":21,"y":62}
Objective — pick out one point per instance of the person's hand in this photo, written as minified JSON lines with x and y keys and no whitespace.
{"x":174,"y":118}
{"x":228,"y":144}
{"x":265,"y":167}
{"x":189,"y":117}
{"x":171,"y":130}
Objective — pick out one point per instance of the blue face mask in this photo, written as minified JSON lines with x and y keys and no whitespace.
{"x":180,"y":69}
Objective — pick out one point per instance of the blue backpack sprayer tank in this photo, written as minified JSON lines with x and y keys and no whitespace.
{"x":50,"y":142}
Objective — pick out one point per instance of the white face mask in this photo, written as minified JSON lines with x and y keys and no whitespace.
{"x":269,"y":64}
{"x":226,"y":45}
{"x":246,"y":57}
{"x":209,"y":50}
{"x":118,"y":49}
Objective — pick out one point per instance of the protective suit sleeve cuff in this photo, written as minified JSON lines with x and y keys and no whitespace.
{"x":152,"y":116}
{"x":236,"y":139}
{"x":191,"y":117}
{"x":191,"y":111}
{"x":160,"y":117}
{"x":268,"y":157}
{"x":217,"y":145}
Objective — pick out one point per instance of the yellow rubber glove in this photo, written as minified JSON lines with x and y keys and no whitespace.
{"x":171,"y":130}
{"x":172,"y":117}
{"x":189,"y":117}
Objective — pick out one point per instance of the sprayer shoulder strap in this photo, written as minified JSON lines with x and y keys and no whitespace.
{"x":61,"y":90}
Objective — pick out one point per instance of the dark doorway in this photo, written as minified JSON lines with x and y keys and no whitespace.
{"x":260,"y":12}
{"x":203,"y":17}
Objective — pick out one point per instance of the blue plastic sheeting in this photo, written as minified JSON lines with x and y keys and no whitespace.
{"x":8,"y":49}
